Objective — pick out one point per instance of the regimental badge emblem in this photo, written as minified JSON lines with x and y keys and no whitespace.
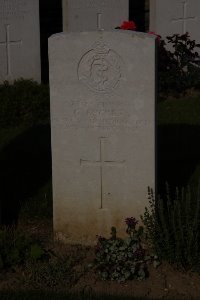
{"x":101,"y":68}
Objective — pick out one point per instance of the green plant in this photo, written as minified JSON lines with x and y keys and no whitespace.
{"x":38,"y":206}
{"x":173,"y":226}
{"x":178,"y":70}
{"x":24,"y":102}
{"x":16,"y":248}
{"x":120,"y":260}
{"x":54,"y":273}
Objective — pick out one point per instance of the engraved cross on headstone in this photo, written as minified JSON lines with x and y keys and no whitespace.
{"x":102,"y":163}
{"x":7,"y":43}
{"x":184,"y":19}
{"x":99,"y":19}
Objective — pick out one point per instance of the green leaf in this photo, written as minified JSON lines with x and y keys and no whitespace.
{"x":147,"y":257}
{"x":107,"y":258}
{"x":132,"y":270}
{"x":141,"y":274}
{"x":127,"y":241}
{"x":36,"y":252}
{"x":104,"y":275}
{"x":122,"y":248}
{"x":156,"y":263}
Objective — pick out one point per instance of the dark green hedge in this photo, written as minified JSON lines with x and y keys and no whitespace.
{"x":24,"y":102}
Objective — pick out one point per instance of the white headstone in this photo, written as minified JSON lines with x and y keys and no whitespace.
{"x":86,"y":15}
{"x":175,"y":17}
{"x":102,"y":87}
{"x":19,"y":40}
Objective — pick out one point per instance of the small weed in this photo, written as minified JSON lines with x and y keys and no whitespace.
{"x":16,"y":248}
{"x":173,"y":226}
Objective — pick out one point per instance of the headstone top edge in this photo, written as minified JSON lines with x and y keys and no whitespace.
{"x":103,"y":32}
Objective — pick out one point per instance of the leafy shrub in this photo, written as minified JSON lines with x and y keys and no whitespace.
{"x":178,"y":70}
{"x":120,"y":260}
{"x":24,"y":102}
{"x":173,"y":226}
{"x":16,"y":248}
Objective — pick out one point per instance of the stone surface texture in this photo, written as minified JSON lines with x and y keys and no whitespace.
{"x":175,"y":16}
{"x":86,"y":15}
{"x":102,"y":89}
{"x":19,"y":40}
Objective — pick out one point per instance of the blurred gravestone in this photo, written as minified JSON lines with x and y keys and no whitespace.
{"x":86,"y":15}
{"x":175,"y":17}
{"x":19,"y":40}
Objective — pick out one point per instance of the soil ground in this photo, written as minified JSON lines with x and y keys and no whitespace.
{"x":163,"y":283}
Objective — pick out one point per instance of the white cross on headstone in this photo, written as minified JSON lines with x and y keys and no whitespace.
{"x":7,"y":43}
{"x":102,"y":163}
{"x":184,"y":19}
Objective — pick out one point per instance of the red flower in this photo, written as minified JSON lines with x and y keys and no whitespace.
{"x":157,"y":35}
{"x":128,"y":25}
{"x":131,"y":222}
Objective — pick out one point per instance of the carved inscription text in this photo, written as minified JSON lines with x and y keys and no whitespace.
{"x":95,"y":3}
{"x":12,"y":9}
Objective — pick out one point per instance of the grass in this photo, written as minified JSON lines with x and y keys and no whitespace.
{"x":9,"y":134}
{"x":180,"y":111}
{"x":39,"y":205}
{"x":178,"y":148}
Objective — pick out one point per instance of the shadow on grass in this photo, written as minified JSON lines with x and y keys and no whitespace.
{"x":178,"y":154}
{"x":25,"y":167}
{"x":25,"y":164}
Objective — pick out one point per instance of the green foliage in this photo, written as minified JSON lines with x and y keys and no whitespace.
{"x":173,"y":226}
{"x":178,"y":70}
{"x":54,"y":273}
{"x":174,"y":111}
{"x":38,"y":206}
{"x":121,"y":260}
{"x":36,"y":252}
{"x":24,"y":102}
{"x":195,"y":177}
{"x":16,"y":248}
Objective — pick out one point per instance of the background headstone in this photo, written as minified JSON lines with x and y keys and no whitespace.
{"x":102,"y":87}
{"x":86,"y":15}
{"x":175,"y":17}
{"x":19,"y":40}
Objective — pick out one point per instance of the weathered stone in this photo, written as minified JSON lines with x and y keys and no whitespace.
{"x":86,"y":15}
{"x":102,"y":87}
{"x":175,"y":17}
{"x":19,"y":40}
